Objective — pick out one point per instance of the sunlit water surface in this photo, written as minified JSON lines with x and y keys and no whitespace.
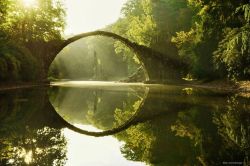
{"x":86,"y":150}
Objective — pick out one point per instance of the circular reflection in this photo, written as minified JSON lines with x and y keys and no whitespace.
{"x":82,"y":106}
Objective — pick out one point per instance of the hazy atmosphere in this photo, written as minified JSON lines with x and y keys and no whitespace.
{"x":88,"y":15}
{"x":124,"y":82}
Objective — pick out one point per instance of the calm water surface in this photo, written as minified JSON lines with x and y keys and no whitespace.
{"x":109,"y":124}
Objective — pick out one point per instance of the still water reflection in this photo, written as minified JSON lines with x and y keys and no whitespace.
{"x":136,"y":125}
{"x":85,"y":150}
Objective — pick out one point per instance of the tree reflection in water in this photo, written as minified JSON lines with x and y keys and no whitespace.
{"x":202,"y":132}
{"x":25,"y":138}
{"x":173,"y":127}
{"x":151,"y":141}
{"x":233,"y":126}
{"x":45,"y":146}
{"x":226,"y":139}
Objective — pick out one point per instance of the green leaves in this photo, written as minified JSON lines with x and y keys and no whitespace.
{"x":25,"y":33}
{"x":219,"y":40}
{"x":16,"y":63}
{"x":44,"y":22}
{"x":234,"y":49}
{"x":138,"y":20}
{"x":246,"y":9}
{"x":233,"y":52}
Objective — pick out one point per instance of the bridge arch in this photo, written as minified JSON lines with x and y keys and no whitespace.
{"x":132,"y":45}
{"x":157,"y":66}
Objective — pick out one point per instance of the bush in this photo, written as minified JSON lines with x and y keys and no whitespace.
{"x":16,"y":62}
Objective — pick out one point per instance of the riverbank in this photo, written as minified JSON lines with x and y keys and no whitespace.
{"x":242,"y":87}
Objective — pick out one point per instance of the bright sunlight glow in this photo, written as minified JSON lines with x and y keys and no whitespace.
{"x":27,"y":156}
{"x":94,"y":151}
{"x":29,"y":3}
{"x":89,"y":15}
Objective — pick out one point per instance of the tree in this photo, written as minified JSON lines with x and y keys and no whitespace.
{"x":45,"y":146}
{"x":234,"y":48}
{"x":27,"y":24}
{"x":212,"y":39}
{"x":3,"y":11}
{"x":152,"y":23}
{"x":27,"y":36}
{"x":16,"y":61}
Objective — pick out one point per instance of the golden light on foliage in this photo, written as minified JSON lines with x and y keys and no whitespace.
{"x":29,"y":3}
{"x":27,"y":156}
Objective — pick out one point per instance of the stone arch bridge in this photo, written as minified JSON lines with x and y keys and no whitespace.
{"x":157,"y":67}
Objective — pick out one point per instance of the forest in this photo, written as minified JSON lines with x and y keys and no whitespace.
{"x":212,"y":39}
{"x":159,"y":124}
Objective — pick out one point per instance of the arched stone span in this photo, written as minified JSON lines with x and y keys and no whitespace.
{"x":156,"y":65}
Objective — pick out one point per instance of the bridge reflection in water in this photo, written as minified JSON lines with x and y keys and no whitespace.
{"x":101,"y":91}
{"x":153,"y":124}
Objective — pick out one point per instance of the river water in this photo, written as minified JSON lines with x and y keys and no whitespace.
{"x":118,"y":124}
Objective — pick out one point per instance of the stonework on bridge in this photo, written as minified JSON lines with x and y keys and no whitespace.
{"x":157,"y":67}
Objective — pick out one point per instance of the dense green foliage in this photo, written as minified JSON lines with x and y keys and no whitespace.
{"x":22,"y":47}
{"x":234,"y":48}
{"x":16,"y":62}
{"x":173,"y":127}
{"x":153,"y":23}
{"x":211,"y":37}
{"x":218,"y":42}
